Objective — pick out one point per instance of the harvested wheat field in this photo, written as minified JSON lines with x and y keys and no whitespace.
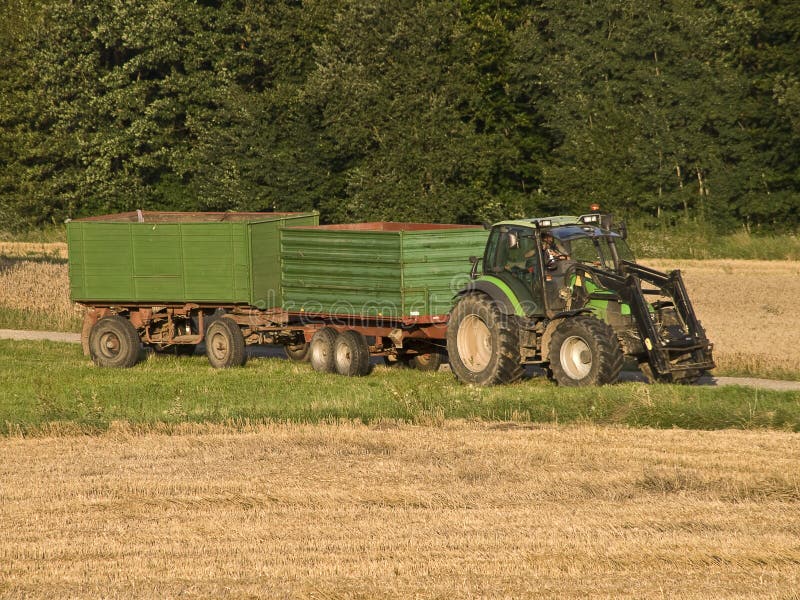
{"x":34,"y":287}
{"x":349,"y":511}
{"x":748,"y":308}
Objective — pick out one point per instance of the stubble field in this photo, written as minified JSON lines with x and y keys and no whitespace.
{"x":748,"y":308}
{"x":350,"y":511}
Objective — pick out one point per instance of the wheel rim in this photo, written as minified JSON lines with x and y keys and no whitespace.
{"x":474,"y":343}
{"x":110,"y":344}
{"x":343,"y":356}
{"x":318,"y":353}
{"x":576,"y":357}
{"x":219,"y":346}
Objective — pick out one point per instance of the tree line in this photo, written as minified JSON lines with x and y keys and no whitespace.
{"x":426,"y":110}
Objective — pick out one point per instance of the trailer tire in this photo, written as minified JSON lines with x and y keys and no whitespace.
{"x":585,"y":351}
{"x":114,"y":342}
{"x":321,"y":350}
{"x":351,"y":354}
{"x":225,"y":344}
{"x":482,"y":344}
{"x":430,"y":361}
{"x":298,"y":352}
{"x":175,"y":349}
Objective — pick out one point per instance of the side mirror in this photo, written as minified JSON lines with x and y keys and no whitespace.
{"x":473,"y":274}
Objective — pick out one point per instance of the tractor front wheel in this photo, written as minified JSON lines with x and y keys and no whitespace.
{"x":585,"y":351}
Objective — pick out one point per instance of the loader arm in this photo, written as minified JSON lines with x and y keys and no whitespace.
{"x":669,"y":359}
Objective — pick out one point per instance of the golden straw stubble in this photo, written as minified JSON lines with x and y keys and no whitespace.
{"x":349,"y":511}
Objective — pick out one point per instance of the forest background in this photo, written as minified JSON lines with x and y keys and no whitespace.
{"x":666,"y":111}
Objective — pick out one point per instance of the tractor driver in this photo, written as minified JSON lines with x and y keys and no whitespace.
{"x":551,"y":251}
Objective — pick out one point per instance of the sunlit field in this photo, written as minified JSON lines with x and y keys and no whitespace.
{"x":749,"y":311}
{"x":387,"y":511}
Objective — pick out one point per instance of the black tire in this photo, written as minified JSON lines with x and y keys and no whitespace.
{"x":114,"y":342}
{"x":426,"y":362}
{"x":351,"y":354}
{"x":298,"y":352}
{"x":482,"y":344}
{"x":175,"y":349}
{"x":225,"y":344}
{"x":585,"y":351}
{"x":321,"y":350}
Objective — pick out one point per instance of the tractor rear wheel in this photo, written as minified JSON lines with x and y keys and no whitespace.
{"x":585,"y":351}
{"x":482,"y":344}
{"x":114,"y":342}
{"x":321,"y":350}
{"x":225,"y":344}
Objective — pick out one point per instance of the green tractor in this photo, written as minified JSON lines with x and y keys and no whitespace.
{"x":565,"y":293}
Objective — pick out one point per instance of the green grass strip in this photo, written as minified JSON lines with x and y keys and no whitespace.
{"x":44,"y":383}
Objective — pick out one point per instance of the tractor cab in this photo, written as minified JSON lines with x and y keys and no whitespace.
{"x":540,"y":259}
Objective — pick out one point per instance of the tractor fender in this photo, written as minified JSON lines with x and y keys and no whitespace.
{"x":553,"y":325}
{"x":503,"y":298}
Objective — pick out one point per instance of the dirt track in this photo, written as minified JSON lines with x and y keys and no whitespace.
{"x":765,"y":384}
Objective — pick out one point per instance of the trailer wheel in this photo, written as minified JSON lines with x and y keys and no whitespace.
{"x":482,"y":345}
{"x":430,"y":361}
{"x":298,"y":352}
{"x":585,"y":351}
{"x":175,"y":349}
{"x":114,"y":342}
{"x":225,"y":344}
{"x":351,"y":354}
{"x":321,"y":350}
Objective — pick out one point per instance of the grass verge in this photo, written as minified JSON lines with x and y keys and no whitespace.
{"x":47,"y":387}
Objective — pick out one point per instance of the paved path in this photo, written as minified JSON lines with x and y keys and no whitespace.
{"x":53,"y":336}
{"x":764,"y":384}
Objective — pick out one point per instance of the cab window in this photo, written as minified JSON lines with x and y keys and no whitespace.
{"x":511,"y":250}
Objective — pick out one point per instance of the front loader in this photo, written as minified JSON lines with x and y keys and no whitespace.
{"x":566,"y":294}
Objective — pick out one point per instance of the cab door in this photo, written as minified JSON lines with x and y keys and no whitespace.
{"x":513,"y":256}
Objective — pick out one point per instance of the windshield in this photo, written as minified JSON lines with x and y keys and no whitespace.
{"x":624,"y":251}
{"x":594,"y":248}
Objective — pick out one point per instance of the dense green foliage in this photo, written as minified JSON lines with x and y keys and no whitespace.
{"x":455,"y":110}
{"x":45,"y":383}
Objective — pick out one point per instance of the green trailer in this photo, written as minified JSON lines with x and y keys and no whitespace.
{"x":168,"y":257}
{"x":404,"y":271}
{"x":335,"y":295}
